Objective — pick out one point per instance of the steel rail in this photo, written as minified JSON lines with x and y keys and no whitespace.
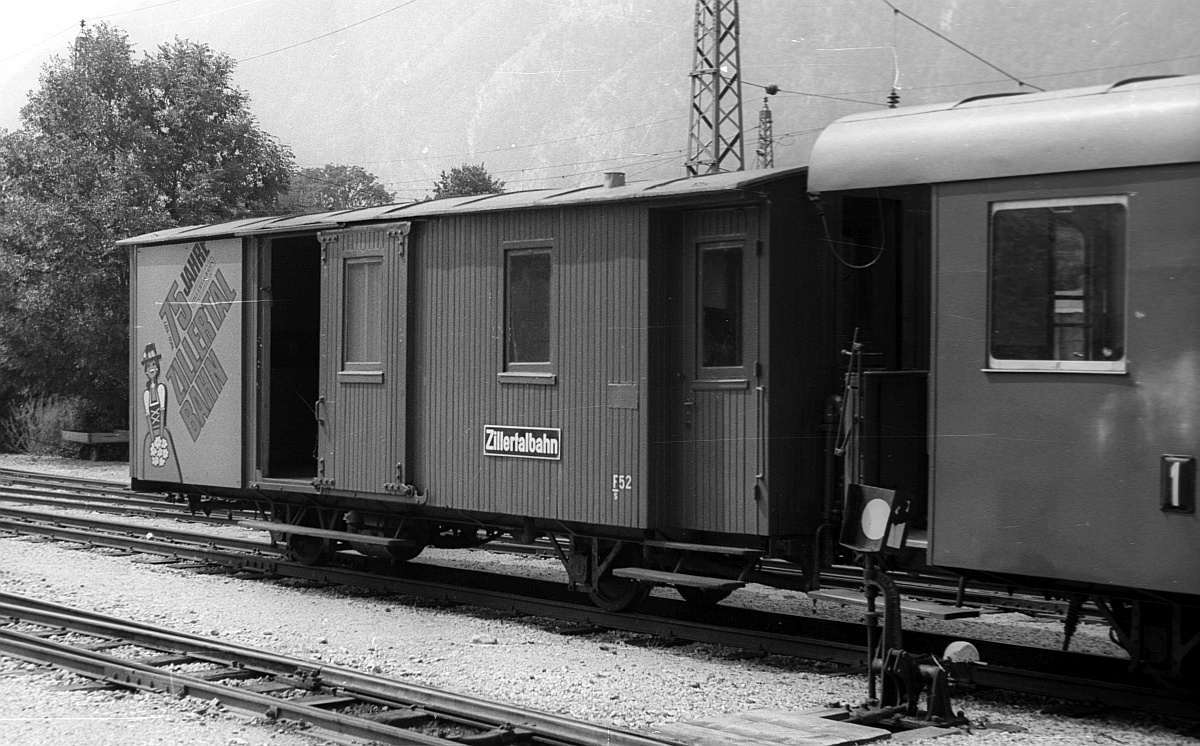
{"x":552,"y":605}
{"x":927,"y":586}
{"x":1108,"y":679}
{"x":120,"y":530}
{"x":486,"y":716}
{"x":105,"y":504}
{"x":17,"y":476}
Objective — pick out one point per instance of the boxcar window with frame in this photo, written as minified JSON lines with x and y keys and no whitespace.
{"x":527,"y":309}
{"x":362,"y":317}
{"x":719,"y":286}
{"x":1056,"y":295}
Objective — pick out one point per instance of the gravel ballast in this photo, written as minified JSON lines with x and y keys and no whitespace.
{"x":527,"y":661}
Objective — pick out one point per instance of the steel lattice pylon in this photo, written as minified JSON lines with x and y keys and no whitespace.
{"x":766,"y":140}
{"x":715,"y":137}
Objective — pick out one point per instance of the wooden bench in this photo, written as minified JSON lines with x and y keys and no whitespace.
{"x":91,"y":442}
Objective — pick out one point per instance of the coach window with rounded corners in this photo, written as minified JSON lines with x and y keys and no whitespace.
{"x":1057,"y":285}
{"x":529,"y":293}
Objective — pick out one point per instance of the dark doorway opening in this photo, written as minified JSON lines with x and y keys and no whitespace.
{"x":291,"y":337}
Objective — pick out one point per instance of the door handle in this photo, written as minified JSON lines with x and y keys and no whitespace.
{"x":319,"y":410}
{"x":689,"y":408}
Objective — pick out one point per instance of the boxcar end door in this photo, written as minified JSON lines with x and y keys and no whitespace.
{"x":717,"y":398}
{"x":364,"y":342}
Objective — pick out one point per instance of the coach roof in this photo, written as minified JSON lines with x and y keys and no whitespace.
{"x":715,"y":184}
{"x":1136,"y":122}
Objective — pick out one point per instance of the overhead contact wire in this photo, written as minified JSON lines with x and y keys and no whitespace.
{"x":330,"y":33}
{"x":955,"y":44}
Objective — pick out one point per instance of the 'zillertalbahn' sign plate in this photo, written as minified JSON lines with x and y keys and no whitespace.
{"x":522,"y":442}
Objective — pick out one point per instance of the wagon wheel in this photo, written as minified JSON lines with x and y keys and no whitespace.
{"x":617,"y":594}
{"x":703,"y":596}
{"x":309,"y":550}
{"x":417,"y":533}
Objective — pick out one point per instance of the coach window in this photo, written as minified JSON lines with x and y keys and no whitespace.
{"x":720,"y":290}
{"x":1057,"y":285}
{"x":362,"y":326}
{"x":528,"y":314}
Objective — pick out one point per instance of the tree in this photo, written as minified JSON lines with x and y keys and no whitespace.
{"x":465,"y":180}
{"x":334,"y":187}
{"x":112,"y":146}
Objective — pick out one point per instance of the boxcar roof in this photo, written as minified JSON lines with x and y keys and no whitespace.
{"x":1132,"y":123}
{"x":715,"y":184}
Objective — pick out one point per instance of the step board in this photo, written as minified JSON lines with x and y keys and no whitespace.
{"x":658,"y":577}
{"x":324,"y":533}
{"x":770,"y":728}
{"x":924,"y":609}
{"x":680,"y":546}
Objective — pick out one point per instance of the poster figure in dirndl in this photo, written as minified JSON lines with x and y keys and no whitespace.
{"x":159,"y":460}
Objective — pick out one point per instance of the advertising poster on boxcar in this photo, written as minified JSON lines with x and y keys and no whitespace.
{"x":187,"y":416}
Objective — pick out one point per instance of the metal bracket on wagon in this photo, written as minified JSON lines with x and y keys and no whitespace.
{"x":403,"y":489}
{"x":320,"y":481}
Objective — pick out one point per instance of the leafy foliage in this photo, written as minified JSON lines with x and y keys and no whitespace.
{"x":35,"y":425}
{"x":112,"y":146}
{"x":466,"y":180}
{"x":334,"y":187}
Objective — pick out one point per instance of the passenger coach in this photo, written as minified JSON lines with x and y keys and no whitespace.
{"x":1064,"y":417}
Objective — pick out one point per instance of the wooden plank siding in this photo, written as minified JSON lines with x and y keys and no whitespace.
{"x":598,"y":337}
{"x":722,"y":498}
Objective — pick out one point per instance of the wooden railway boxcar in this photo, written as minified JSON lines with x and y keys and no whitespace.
{"x":631,"y":360}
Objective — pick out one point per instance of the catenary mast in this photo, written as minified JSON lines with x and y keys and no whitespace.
{"x":715,"y":136}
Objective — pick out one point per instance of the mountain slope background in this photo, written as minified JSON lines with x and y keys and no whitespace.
{"x":550,"y":93}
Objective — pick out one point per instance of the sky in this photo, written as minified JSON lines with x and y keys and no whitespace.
{"x":32,"y":26}
{"x":555,"y":92}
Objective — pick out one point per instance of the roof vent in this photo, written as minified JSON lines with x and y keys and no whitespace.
{"x":1143,"y":79}
{"x":985,"y":96}
{"x":613,"y":179}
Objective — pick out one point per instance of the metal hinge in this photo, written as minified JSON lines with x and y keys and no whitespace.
{"x":326,"y":238}
{"x":399,"y":235}
{"x":403,"y":488}
{"x":320,"y":481}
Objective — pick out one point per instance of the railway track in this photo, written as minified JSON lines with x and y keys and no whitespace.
{"x":1011,"y":667}
{"x":109,"y":497}
{"x":333,"y":698}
